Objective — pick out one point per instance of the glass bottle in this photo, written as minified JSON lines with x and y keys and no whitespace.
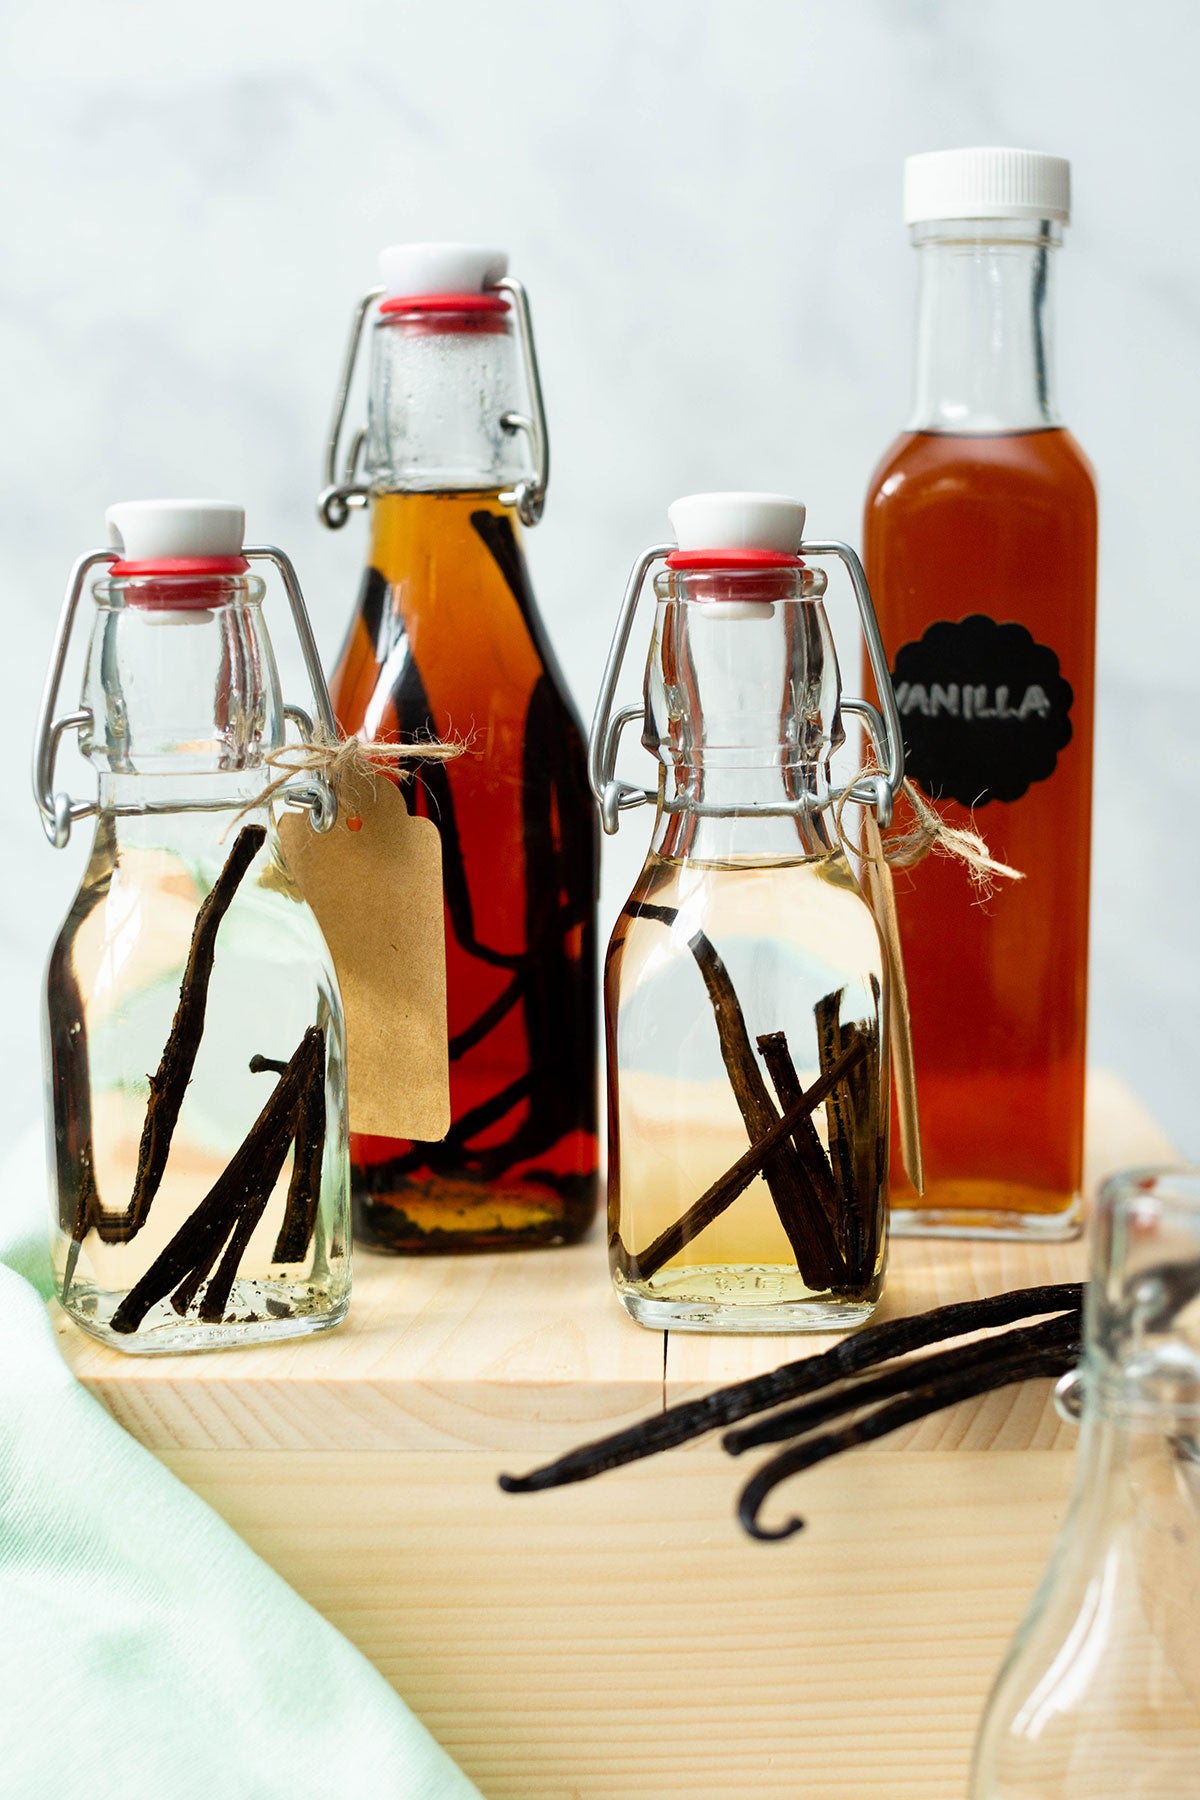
{"x":1099,"y":1697}
{"x":446,"y":642}
{"x":194,"y":1036}
{"x":745,"y":986}
{"x":980,"y":547}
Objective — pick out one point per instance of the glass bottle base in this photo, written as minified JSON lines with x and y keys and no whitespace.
{"x":463,"y":1217}
{"x":759,"y":1299}
{"x":255,"y":1314}
{"x":966,"y":1209}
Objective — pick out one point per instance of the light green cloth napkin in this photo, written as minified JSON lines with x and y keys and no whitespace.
{"x":145,"y":1651}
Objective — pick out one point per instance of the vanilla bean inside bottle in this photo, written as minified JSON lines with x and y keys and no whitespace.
{"x":745,"y":982}
{"x":447,"y":642}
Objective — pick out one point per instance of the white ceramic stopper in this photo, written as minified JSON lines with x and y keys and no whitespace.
{"x":738,"y":522}
{"x":422,"y":269}
{"x":149,"y":530}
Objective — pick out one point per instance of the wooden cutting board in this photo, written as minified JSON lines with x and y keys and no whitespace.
{"x":622,"y":1638}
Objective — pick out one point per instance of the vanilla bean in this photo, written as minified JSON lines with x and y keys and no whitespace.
{"x":806,"y":1375}
{"x":297,"y":1119}
{"x":902,"y":1378}
{"x":304,"y":1190}
{"x":291,"y":1124}
{"x":639,"y":1266}
{"x":169,"y":1084}
{"x":854,"y":1124}
{"x":216,"y":1294}
{"x":917,"y":1403}
{"x":840,"y":1130}
{"x":190,"y":1286}
{"x":810,"y":1152}
{"x":866,"y":1200}
{"x":250,"y":1175}
{"x":759,"y":1113}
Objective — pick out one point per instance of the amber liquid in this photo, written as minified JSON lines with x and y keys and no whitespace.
{"x":1004,"y":526}
{"x":447,"y":641}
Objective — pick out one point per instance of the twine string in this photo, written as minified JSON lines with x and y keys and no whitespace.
{"x":348,"y":764}
{"x":929,"y":834}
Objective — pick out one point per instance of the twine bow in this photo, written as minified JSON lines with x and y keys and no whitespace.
{"x":929,"y":834}
{"x":348,"y":764}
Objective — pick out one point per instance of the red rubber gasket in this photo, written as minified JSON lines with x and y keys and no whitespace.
{"x":732,"y":559}
{"x":182,"y":565}
{"x":445,"y":303}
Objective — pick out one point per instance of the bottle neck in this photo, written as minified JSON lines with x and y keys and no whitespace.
{"x":1136,"y":1475}
{"x":148,"y":827}
{"x":183,"y":694}
{"x":727,"y":815}
{"x":984,"y":326}
{"x":442,"y":387}
{"x":742,"y":710}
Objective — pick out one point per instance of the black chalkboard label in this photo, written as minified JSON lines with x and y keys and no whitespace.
{"x":984,"y":710}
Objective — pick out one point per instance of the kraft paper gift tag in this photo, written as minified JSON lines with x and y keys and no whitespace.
{"x":375,"y":884}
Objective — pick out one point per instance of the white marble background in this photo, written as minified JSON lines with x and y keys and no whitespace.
{"x":703,"y":199}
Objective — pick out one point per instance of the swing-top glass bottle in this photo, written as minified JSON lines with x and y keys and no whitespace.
{"x":195,"y":1045}
{"x":446,"y":642}
{"x":1099,"y":1696}
{"x":745,"y":988}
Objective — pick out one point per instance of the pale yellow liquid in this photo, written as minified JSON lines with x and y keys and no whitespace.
{"x":789,"y":932}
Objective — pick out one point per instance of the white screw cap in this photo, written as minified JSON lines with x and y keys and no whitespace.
{"x":986,"y":184}
{"x":418,"y":269}
{"x":148,"y":530}
{"x":738,"y":522}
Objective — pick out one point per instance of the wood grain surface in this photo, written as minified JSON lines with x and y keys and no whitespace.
{"x":528,"y":1351}
{"x":621,"y":1638}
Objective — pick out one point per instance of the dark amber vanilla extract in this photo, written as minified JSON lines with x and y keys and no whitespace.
{"x":446,"y":642}
{"x":981,"y":554}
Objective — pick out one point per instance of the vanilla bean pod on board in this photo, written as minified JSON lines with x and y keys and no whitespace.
{"x":900,"y":1378}
{"x":863,"y":1349}
{"x":918,"y":1403}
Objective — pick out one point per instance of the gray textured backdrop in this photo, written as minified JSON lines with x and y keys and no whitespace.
{"x":704,"y":202}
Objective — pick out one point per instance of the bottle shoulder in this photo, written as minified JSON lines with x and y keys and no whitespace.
{"x":1004,"y":467}
{"x":446,"y":630}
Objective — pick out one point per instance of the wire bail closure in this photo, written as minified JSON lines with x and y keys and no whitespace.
{"x":346,"y":491}
{"x":59,"y":812}
{"x":877,"y":790}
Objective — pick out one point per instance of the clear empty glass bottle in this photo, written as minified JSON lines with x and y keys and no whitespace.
{"x":745,"y":986}
{"x":1099,"y":1698}
{"x":194,"y":1034}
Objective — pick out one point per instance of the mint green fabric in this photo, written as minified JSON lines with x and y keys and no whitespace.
{"x":145,"y":1651}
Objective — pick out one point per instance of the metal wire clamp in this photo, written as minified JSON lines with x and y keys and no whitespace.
{"x":877,"y":790}
{"x":348,"y":490}
{"x":59,"y":812}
